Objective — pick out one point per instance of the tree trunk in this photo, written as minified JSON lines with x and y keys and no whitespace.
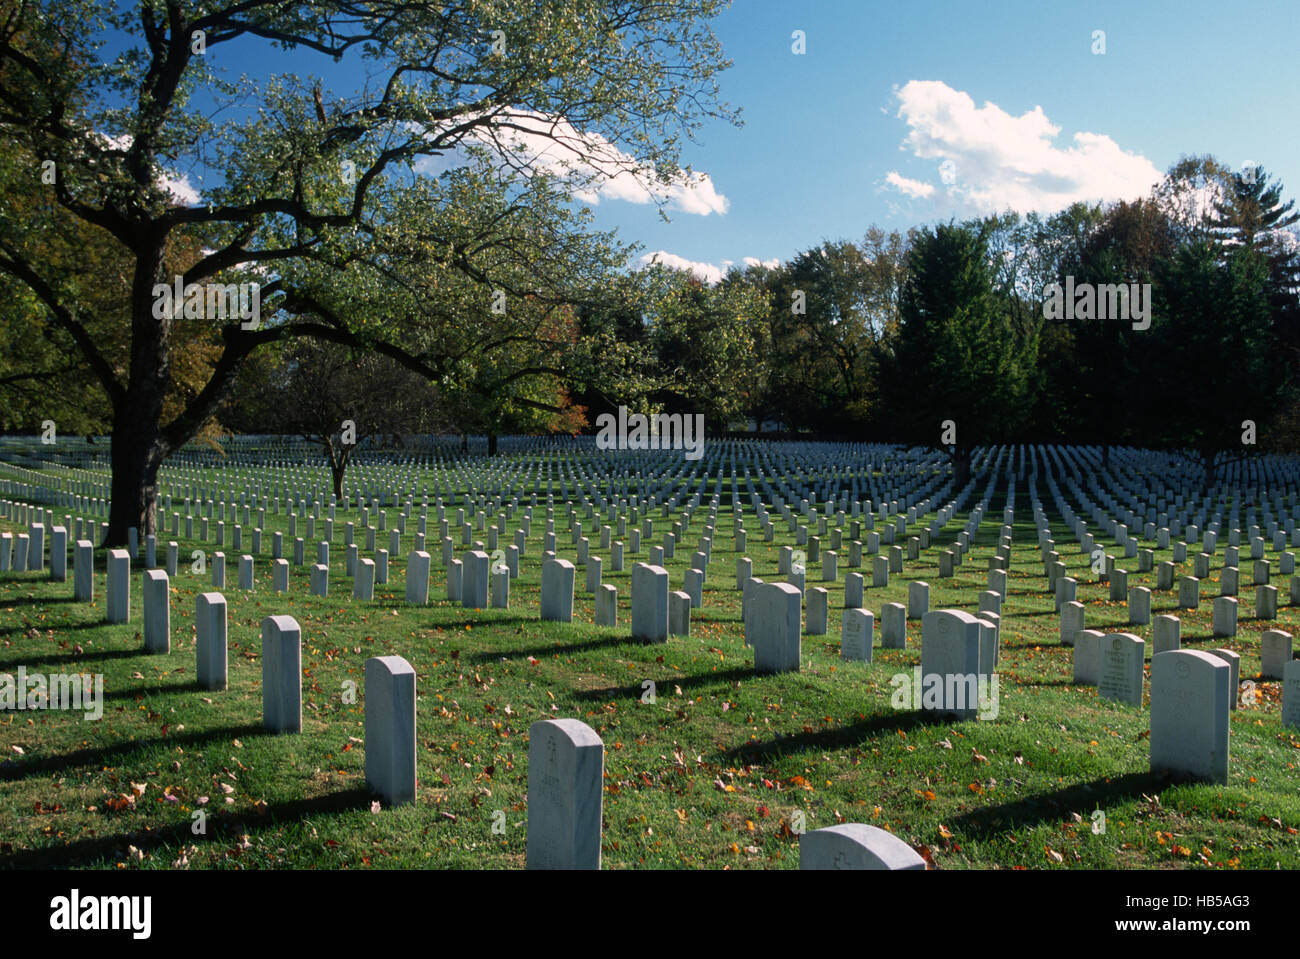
{"x":136,"y":456}
{"x":138,"y":448}
{"x":1207,"y":480}
{"x":1105,"y":456}
{"x":338,"y":470}
{"x":492,"y":444}
{"x":464,"y":442}
{"x":961,"y":458}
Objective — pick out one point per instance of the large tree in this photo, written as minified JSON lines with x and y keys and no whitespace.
{"x":1211,"y":366}
{"x":958,"y":365}
{"x":314,"y":191}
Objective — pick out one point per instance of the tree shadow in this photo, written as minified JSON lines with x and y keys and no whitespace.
{"x":56,"y":627}
{"x":36,"y":600}
{"x":191,"y":686}
{"x":93,"y":851}
{"x":97,"y":655}
{"x":118,"y":753}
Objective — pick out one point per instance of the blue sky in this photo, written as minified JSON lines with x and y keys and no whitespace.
{"x":905,"y":113}
{"x":823,"y":130}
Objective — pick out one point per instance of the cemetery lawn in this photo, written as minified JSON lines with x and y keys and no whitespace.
{"x":721,"y":770}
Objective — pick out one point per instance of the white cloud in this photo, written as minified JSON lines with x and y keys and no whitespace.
{"x":708,"y":272}
{"x":178,"y":186}
{"x":1000,"y":161}
{"x":180,"y":189}
{"x":912,"y":188}
{"x":704,"y":271}
{"x":596,"y":168}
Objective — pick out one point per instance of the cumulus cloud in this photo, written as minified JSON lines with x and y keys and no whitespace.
{"x":177,"y":186}
{"x":993,"y":161}
{"x":180,"y":189}
{"x":912,"y":188}
{"x":596,"y":168}
{"x":706,"y":272}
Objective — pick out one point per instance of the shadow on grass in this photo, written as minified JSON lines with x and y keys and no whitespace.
{"x":551,"y":649}
{"x":221,"y":829}
{"x":764,"y":752}
{"x":117,"y":753}
{"x":91,"y":656}
{"x":131,"y":692}
{"x":36,"y":600}
{"x":721,"y":677}
{"x":56,"y":627}
{"x":1031,"y":811}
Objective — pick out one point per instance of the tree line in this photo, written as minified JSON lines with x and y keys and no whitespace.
{"x":419,"y":271}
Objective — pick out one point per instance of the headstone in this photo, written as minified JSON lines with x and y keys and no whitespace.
{"x":210,"y":640}
{"x":83,"y":573}
{"x":1234,"y":664}
{"x":59,"y":554}
{"x":455,"y":580}
{"x":476,"y":570}
{"x":1072,"y":615}
{"x":1266,"y":602}
{"x":649,"y":603}
{"x":417,"y":578}
{"x":1122,"y":655}
{"x":853,"y":588}
{"x":1166,"y":634}
{"x":694,"y":587}
{"x":1087,"y":657}
{"x":1225,"y":616}
{"x":363,"y":586}
{"x":390,"y":729}
{"x":501,"y":587}
{"x":855,"y":846}
{"x":818,"y":611}
{"x":918,"y":599}
{"x":950,"y":663}
{"x":119,"y":586}
{"x":1189,"y":715}
{"x":1274,"y":653}
{"x":679,"y":613}
{"x":855,"y":635}
{"x":1139,"y":606}
{"x":557,"y":590}
{"x":607,"y":605}
{"x":773,"y":629}
{"x":156,"y":595}
{"x":281,"y":674}
{"x":1291,"y":695}
{"x":566,"y":765}
{"x":893,"y":626}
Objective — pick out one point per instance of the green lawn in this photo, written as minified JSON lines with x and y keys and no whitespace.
{"x":722,"y":770}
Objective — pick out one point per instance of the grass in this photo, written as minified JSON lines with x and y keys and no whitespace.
{"x":721,"y":770}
